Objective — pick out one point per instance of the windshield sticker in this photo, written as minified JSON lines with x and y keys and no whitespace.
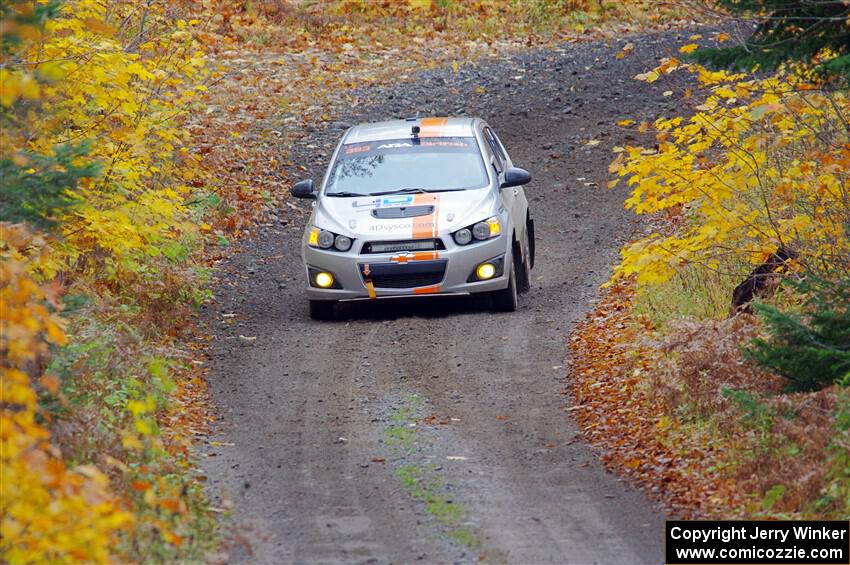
{"x":426,"y":144}
{"x":355,"y":149}
{"x":389,"y":201}
{"x":393,"y":146}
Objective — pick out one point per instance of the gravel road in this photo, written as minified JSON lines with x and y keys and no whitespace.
{"x":435,"y":431}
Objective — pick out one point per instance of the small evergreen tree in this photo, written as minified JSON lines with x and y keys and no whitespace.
{"x":35,"y":188}
{"x":812,"y":349}
{"x":788,"y":30}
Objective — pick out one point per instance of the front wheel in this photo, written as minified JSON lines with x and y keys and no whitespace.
{"x":524,"y":267}
{"x":322,"y":309}
{"x":505,"y":300}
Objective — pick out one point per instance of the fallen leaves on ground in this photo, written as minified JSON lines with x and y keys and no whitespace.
{"x":615,"y":412}
{"x":711,"y":436}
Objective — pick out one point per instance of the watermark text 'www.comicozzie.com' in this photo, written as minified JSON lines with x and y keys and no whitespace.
{"x":757,"y":542}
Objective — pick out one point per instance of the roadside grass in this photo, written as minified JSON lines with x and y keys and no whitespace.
{"x":422,"y":481}
{"x":401,"y":434}
{"x":423,"y":485}
{"x":117,"y":358}
{"x":694,"y":291}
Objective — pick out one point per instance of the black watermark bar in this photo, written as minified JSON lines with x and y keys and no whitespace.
{"x":763,"y":542}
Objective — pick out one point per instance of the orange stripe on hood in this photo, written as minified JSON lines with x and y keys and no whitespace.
{"x":425,"y":227}
{"x":432,"y":127}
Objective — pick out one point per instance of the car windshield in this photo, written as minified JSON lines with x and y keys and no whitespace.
{"x":407,"y":165}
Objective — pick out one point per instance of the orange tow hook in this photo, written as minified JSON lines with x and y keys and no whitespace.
{"x":370,"y":288}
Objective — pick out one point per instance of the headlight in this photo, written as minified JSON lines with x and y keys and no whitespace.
{"x":342,"y":243}
{"x":481,"y":230}
{"x":462,"y":237}
{"x":325,"y":239}
{"x":489,"y":228}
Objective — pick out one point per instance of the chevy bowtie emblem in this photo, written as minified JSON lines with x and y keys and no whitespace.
{"x":366,"y":269}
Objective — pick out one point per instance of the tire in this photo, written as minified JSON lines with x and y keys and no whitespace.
{"x":505,"y":300}
{"x":524,"y":271}
{"x":322,"y":309}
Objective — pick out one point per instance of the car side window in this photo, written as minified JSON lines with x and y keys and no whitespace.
{"x":501,"y":146}
{"x":496,"y":148}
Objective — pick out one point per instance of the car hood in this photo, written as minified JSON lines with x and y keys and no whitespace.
{"x":405,"y":216}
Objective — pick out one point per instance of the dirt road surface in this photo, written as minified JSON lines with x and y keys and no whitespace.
{"x":435,"y":431}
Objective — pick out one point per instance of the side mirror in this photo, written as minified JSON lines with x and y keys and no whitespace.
{"x":303,"y":189}
{"x":515,"y":176}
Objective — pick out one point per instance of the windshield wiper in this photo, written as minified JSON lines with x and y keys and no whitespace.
{"x":414,"y":191}
{"x":396,"y":191}
{"x":399,"y":191}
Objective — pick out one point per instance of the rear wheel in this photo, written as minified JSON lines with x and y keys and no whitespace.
{"x":505,"y":300}
{"x":322,"y":309}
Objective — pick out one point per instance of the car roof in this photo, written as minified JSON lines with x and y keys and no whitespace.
{"x":402,"y":129}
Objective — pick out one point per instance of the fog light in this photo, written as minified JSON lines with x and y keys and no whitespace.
{"x":485,"y":271}
{"x":324,"y":280}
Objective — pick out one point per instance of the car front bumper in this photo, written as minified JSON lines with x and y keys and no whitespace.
{"x":441,"y":272}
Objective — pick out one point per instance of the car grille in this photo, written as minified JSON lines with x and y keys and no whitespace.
{"x":410,"y":275}
{"x":402,"y":212}
{"x":412,"y":245}
{"x":407,"y":281}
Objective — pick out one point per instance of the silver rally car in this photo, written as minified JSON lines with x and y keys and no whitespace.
{"x":418,"y":207}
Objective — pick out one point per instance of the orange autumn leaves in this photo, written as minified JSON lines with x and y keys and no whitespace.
{"x":48,"y":511}
{"x":616,"y":409}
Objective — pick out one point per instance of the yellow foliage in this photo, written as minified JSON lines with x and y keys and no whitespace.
{"x":118,"y":76}
{"x":763,"y":164}
{"x":122,"y":88}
